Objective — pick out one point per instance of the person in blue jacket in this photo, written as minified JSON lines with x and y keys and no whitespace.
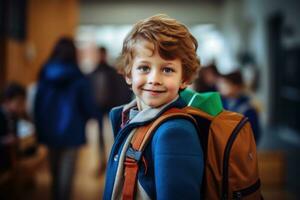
{"x":62,"y":106}
{"x":158,"y":60}
{"x":235,"y":98}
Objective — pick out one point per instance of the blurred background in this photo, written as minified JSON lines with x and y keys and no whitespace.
{"x":260,"y":38}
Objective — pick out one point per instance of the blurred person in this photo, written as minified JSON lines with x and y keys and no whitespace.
{"x":235,"y":98}
{"x":207,"y":79}
{"x":110,"y":90}
{"x":62,"y":106}
{"x":12,"y":108}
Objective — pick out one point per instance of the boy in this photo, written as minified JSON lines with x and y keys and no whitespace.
{"x":158,"y":60}
{"x":234,"y":98}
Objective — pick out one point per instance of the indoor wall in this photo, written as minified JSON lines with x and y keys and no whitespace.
{"x":46,"y":21}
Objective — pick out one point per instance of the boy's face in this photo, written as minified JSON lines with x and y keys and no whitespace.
{"x":155,"y":81}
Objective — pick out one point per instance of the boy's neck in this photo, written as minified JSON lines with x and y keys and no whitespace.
{"x":142,"y":106}
{"x":133,"y":105}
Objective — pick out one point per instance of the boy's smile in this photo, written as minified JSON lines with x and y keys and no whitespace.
{"x":155,"y":81}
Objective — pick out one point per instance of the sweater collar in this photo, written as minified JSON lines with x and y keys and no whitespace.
{"x":147,"y":114}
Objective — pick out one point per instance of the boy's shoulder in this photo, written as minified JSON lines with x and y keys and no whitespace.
{"x":116,"y":111}
{"x":177,"y":125}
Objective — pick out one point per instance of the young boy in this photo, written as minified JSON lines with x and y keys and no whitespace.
{"x":158,"y":60}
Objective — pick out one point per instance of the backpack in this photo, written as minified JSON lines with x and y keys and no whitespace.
{"x":231,"y":167}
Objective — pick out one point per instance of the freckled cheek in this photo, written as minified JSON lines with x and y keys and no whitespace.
{"x":173,"y":88}
{"x":138,"y":82}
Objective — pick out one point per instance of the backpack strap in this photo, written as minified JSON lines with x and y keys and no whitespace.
{"x":138,"y":143}
{"x":197,"y":112}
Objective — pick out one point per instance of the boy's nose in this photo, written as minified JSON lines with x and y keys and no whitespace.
{"x":155,"y":78}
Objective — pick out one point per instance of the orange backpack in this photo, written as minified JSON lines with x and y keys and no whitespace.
{"x":231,"y":168}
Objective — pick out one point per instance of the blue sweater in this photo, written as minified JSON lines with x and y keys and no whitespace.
{"x":174,"y":158}
{"x":63,"y":104}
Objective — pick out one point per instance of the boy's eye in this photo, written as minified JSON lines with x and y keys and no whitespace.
{"x":168,"y":70}
{"x":143,"y":69}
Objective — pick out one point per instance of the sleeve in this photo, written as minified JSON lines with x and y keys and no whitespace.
{"x":178,"y":161}
{"x":115,"y":116}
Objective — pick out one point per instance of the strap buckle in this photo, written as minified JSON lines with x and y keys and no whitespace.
{"x":133,"y":154}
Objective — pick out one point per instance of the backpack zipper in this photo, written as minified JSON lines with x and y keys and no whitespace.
{"x":247,"y":191}
{"x":228,"y":147}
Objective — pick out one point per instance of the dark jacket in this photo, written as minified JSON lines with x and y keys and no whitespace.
{"x":63,"y":104}
{"x":110,"y":88}
{"x":174,"y":157}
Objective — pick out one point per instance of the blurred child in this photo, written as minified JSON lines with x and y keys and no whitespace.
{"x":12,"y":108}
{"x":63,"y":104}
{"x":158,"y":60}
{"x":234,"y":98}
{"x":207,"y":79}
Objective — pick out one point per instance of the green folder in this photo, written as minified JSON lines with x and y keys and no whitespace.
{"x":209,"y":102}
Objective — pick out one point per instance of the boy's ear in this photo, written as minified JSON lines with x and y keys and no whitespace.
{"x":128,"y":80}
{"x":183,"y":85}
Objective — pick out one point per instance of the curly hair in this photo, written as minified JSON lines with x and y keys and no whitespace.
{"x":170,"y":38}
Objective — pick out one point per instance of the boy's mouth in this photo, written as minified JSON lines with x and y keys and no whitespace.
{"x":153,"y":91}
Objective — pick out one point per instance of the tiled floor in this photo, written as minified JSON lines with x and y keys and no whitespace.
{"x":287,"y":142}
